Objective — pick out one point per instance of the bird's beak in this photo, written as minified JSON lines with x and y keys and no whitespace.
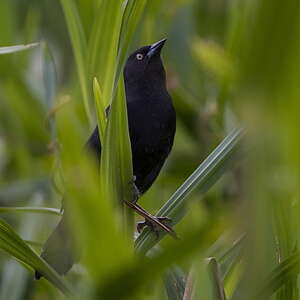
{"x":155,"y":48}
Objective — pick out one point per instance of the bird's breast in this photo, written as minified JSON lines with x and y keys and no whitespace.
{"x":148,"y":120}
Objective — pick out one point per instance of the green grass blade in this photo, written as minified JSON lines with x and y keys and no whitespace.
{"x":30,"y":209}
{"x":174,"y":282}
{"x":11,"y":243}
{"x":116,"y":158}
{"x":94,"y":43}
{"x":94,"y":221}
{"x":203,"y":177}
{"x":79,"y":45}
{"x":231,"y":257}
{"x":100,"y":109}
{"x":287,"y":270}
{"x":228,"y":253}
{"x":215,"y":272}
{"x":103,"y":46}
{"x":17,"y":48}
{"x":133,"y":12}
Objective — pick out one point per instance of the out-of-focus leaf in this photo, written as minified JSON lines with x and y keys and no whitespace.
{"x":116,"y":159}
{"x":22,"y":189}
{"x":14,"y":283}
{"x":14,"y":280}
{"x":79,"y":45}
{"x":34,"y":243}
{"x":282,"y":274}
{"x":12,"y":244}
{"x":230,"y":257}
{"x":190,"y":284}
{"x":214,"y":58}
{"x":30,"y":209}
{"x":203,"y":177}
{"x":174,"y":281}
{"x":17,"y":48}
{"x":90,"y":210}
{"x":49,"y":76}
{"x":216,"y":278}
{"x":103,"y":46}
{"x":130,"y":279}
{"x":50,"y":82}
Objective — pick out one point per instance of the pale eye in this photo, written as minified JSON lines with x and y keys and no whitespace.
{"x":139,"y":56}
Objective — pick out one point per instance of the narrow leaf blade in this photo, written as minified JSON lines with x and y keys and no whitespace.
{"x":17,"y":48}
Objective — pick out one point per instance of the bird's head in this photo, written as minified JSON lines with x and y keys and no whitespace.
{"x":145,"y":64}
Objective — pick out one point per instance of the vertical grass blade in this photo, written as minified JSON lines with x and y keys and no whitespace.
{"x":79,"y":45}
{"x":100,"y":109}
{"x":116,"y":160}
{"x":103,"y":45}
{"x":217,"y":279}
{"x":132,"y":15}
{"x":175,"y":282}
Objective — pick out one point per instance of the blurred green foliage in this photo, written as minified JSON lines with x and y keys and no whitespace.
{"x":230,"y":64}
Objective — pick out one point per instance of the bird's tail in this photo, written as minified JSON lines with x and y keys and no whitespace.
{"x":59,"y":251}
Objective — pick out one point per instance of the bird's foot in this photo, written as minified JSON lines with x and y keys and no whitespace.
{"x":136,"y":192}
{"x":153,"y":225}
{"x":153,"y":222}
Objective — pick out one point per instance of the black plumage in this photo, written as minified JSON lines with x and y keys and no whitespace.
{"x":151,"y":115}
{"x":152,"y":125}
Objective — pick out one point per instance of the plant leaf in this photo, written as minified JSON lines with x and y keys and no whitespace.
{"x":129,"y":279}
{"x":216,"y":278}
{"x":11,"y":243}
{"x":17,"y":48}
{"x":100,"y":109}
{"x":31,"y":209}
{"x":103,"y":46}
{"x":174,"y":281}
{"x":284,"y":272}
{"x":79,"y":45}
{"x":116,"y":159}
{"x":131,"y":18}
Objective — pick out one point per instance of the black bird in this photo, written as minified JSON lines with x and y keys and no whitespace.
{"x":152,"y":126}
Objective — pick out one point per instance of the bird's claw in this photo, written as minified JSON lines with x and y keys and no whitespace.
{"x":153,"y":222}
{"x":152,"y":225}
